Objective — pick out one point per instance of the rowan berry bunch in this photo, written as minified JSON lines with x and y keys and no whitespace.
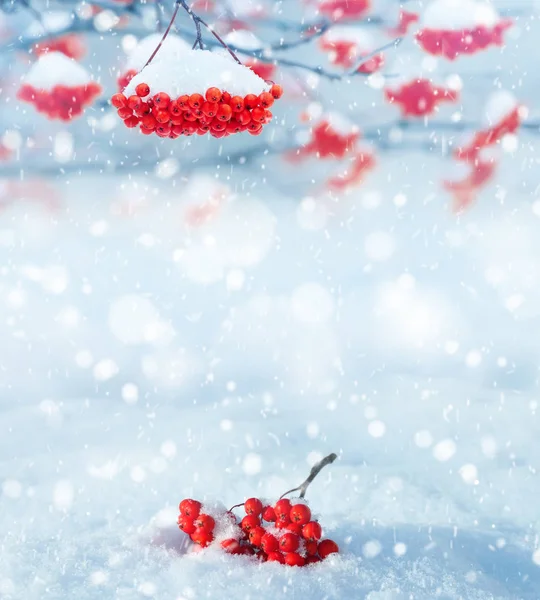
{"x":283,"y":532}
{"x":216,"y":112}
{"x":61,"y":101}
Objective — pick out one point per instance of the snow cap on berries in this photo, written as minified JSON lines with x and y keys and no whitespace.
{"x":198,"y":71}
{"x":459,"y":14}
{"x":173,"y":48}
{"x":54,"y":68}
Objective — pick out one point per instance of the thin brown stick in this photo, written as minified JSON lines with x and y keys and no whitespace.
{"x":164,"y":36}
{"x":235,"y":506}
{"x":315,"y":470}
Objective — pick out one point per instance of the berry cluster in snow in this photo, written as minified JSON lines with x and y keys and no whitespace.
{"x":283,"y":533}
{"x":58,"y":87}
{"x":451,"y":28}
{"x":217,"y":112}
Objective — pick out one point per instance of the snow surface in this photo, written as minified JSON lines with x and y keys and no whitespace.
{"x":348,"y":33}
{"x":138,"y":375}
{"x":55,"y":68}
{"x":172,"y":49}
{"x":459,"y":14}
{"x":195,"y":73}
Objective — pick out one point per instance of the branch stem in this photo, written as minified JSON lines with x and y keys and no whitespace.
{"x":315,"y":470}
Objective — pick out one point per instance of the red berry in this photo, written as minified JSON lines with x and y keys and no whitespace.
{"x":269,"y":543}
{"x":218,"y":127}
{"x":248,"y":550}
{"x":276,"y":91}
{"x":276,"y":557}
{"x":149,"y":121}
{"x":142,"y":90}
{"x":269,"y":514}
{"x":183,"y":102}
{"x":203,"y":129}
{"x":311,"y":547}
{"x":210,"y":109}
{"x":205,"y":522}
{"x":327,"y":547}
{"x":119,"y":100}
{"x":312,"y":531}
{"x":196,"y":101}
{"x":189,"y":115}
{"x":250,"y":521}
{"x":300,"y":514}
{"x":251,"y":101}
{"x":266,"y":100}
{"x":294,"y":527}
{"x":175,"y":109}
{"x":163,"y":130}
{"x":162,"y":100}
{"x":257,"y":115}
{"x":233,"y":127}
{"x":289,"y":542}
{"x":244,"y":118}
{"x":256,"y":534}
{"x":213,"y":94}
{"x":224,"y":112}
{"x":283,"y":507}
{"x":146,"y":131}
{"x":124,"y":112}
{"x":253,"y":506}
{"x":190,"y":508}
{"x":131,"y":122}
{"x":162,"y":116}
{"x":231,"y":546}
{"x":293,"y":559}
{"x":312,"y":559}
{"x":201,"y":536}
{"x":186,"y":523}
{"x":143,"y":109}
{"x":237,"y":103}
{"x":225,"y":97}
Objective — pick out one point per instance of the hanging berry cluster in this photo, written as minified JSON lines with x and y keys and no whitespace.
{"x":283,"y":532}
{"x":217,"y":112}
{"x":61,"y":101}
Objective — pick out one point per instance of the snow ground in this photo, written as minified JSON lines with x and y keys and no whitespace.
{"x":391,"y":332}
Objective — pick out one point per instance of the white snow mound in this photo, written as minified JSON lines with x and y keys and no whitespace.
{"x":173,"y":47}
{"x":355,"y":35}
{"x":197,"y":71}
{"x":459,"y":14}
{"x":54,"y":68}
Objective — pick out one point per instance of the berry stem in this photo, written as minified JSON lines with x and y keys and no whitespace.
{"x":175,"y":12}
{"x":235,"y":506}
{"x":315,"y":470}
{"x":198,"y":22}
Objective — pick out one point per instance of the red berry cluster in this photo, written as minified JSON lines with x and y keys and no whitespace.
{"x":452,"y":43}
{"x":217,"y":112}
{"x":283,"y":533}
{"x":60,"y":102}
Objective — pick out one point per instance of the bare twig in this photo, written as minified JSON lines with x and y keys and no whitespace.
{"x":164,"y":35}
{"x":315,"y":470}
